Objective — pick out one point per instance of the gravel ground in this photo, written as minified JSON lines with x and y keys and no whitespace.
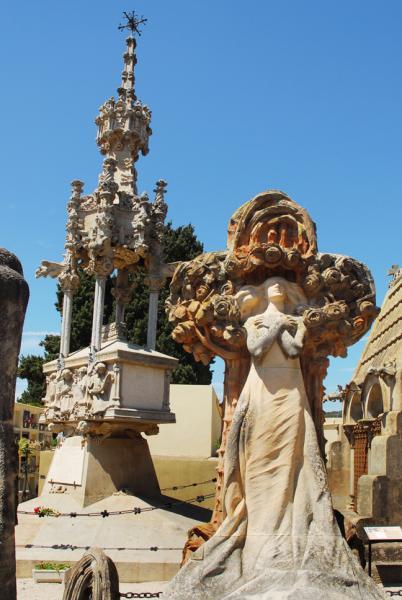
{"x":28,"y":590}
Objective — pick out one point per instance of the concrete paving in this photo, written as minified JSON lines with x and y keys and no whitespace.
{"x":28,"y":590}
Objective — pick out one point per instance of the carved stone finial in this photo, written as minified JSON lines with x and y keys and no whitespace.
{"x":160,"y":190}
{"x":77,"y":187}
{"x":159,"y":210}
{"x":106,"y":178}
{"x":394,"y":272}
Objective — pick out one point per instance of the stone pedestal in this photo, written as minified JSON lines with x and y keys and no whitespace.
{"x":103,"y":408}
{"x":125,"y":389}
{"x":93,"y":469}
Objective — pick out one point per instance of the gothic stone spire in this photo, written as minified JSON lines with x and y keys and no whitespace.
{"x":124,"y":124}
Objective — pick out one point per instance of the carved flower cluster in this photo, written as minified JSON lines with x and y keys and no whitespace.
{"x":206,"y":315}
{"x":245,"y":260}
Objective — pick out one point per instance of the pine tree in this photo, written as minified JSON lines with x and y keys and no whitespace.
{"x":180,"y":244}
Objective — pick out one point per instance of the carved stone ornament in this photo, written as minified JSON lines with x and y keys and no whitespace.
{"x":84,"y":393}
{"x":94,"y":576}
{"x":112,"y":230}
{"x":269,"y":236}
{"x":114,"y":227}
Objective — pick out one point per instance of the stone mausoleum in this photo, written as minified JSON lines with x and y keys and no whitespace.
{"x":365,"y":464}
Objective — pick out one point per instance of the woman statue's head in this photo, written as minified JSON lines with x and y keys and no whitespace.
{"x":255,"y":299}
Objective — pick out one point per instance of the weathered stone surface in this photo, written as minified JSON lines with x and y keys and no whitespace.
{"x":112,"y":229}
{"x":14,"y":295}
{"x":270,"y":235}
{"x":278,"y":538}
{"x":95,"y":573}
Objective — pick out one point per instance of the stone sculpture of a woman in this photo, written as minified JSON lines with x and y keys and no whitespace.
{"x":278,"y":539}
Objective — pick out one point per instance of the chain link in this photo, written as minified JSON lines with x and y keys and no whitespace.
{"x":394,"y":593}
{"x":140,"y":594}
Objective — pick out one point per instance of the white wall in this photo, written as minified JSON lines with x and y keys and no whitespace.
{"x":197,"y":424}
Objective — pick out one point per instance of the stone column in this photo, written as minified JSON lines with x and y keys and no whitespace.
{"x":122,"y":292}
{"x":69,"y":283}
{"x":66,"y":323}
{"x":97,"y":320}
{"x":348,"y":430}
{"x":155,"y":284}
{"x":14,"y":295}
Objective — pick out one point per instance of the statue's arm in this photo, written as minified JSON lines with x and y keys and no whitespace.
{"x":261,"y":335}
{"x":293,"y":345}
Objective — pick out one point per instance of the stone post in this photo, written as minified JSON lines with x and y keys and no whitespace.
{"x":14,"y":295}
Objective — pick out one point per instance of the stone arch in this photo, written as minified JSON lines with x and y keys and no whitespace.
{"x":355,"y":412}
{"x":374,"y":401}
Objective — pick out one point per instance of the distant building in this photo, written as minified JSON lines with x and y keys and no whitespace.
{"x":197,"y":430}
{"x":365,"y":463}
{"x":26,"y":426}
{"x":184,"y":453}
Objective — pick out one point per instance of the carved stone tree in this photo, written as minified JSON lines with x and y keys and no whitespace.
{"x":14,"y":295}
{"x":269,"y":235}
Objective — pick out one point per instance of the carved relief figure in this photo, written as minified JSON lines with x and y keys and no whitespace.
{"x":49,"y":399}
{"x":79,"y":390}
{"x":98,"y":382}
{"x":278,"y":537}
{"x":64,"y":396}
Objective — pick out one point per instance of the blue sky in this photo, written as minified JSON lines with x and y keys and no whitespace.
{"x":304,"y":96}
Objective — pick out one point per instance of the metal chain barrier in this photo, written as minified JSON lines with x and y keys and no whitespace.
{"x":73,"y":547}
{"x":46,"y":512}
{"x":140,"y":594}
{"x":182,"y":487}
{"x":394,"y":593}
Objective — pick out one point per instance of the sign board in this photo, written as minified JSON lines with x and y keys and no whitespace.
{"x":384,"y":533}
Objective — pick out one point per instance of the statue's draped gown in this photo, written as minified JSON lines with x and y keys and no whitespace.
{"x":279,"y":539}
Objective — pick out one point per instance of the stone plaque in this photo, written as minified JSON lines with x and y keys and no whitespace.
{"x":67,"y":466}
{"x":384,"y":533}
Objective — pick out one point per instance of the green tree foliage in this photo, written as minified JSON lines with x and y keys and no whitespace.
{"x":83,"y":299}
{"x":30,"y":368}
{"x":181,"y":244}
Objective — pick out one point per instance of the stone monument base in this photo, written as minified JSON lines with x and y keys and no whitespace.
{"x":92,"y":475}
{"x":127,"y":538}
{"x":91,"y":469}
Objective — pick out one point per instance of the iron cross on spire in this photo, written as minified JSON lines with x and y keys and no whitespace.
{"x":133,"y":22}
